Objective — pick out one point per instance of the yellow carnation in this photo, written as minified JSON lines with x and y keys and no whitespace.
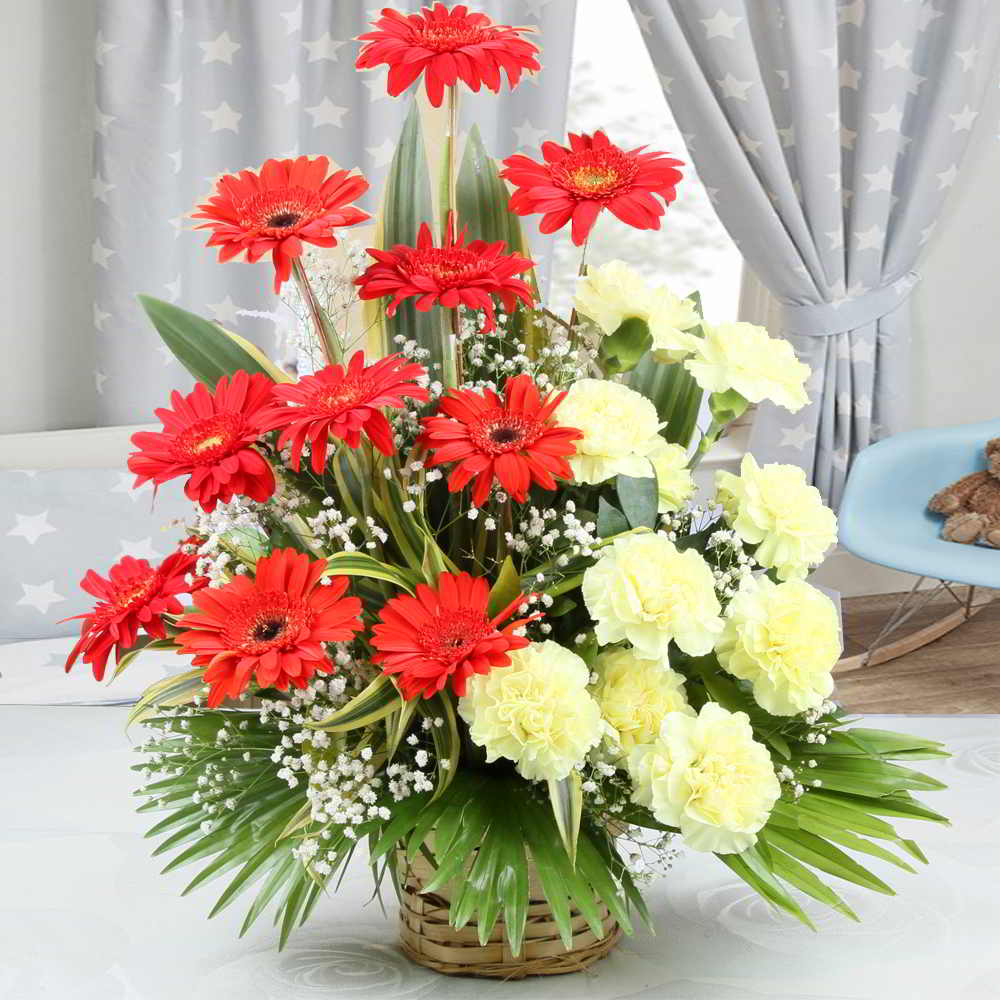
{"x":744,"y":357}
{"x":783,"y":638}
{"x":707,"y":776}
{"x":537,"y":712}
{"x":620,"y":427}
{"x":774,"y":508}
{"x":615,"y":292}
{"x":646,"y":591}
{"x":636,"y":695}
{"x":674,"y":483}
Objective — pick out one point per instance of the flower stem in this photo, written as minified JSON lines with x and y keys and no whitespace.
{"x":580,"y":274}
{"x":325,"y":333}
{"x":451,"y":221}
{"x":711,"y":435}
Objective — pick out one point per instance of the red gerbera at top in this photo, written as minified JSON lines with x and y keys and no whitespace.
{"x":134,"y":595}
{"x":514,"y":440}
{"x":207,"y":436}
{"x":274,"y":211}
{"x":451,"y":275}
{"x":446,"y":46}
{"x":445,"y":633}
{"x":270,"y":628}
{"x":592,"y":173}
{"x":343,"y":403}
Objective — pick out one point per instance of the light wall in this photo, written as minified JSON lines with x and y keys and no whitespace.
{"x":46,"y":327}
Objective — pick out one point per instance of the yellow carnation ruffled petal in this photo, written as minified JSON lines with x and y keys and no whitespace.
{"x":674,"y":483}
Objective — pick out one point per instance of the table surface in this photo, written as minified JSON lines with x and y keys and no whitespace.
{"x":84,"y":914}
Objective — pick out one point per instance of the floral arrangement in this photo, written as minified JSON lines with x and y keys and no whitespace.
{"x":448,"y":589}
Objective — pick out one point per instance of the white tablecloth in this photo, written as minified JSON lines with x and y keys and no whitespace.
{"x":84,"y":914}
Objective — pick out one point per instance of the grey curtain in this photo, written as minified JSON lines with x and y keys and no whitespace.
{"x":829,"y":134}
{"x":189,"y":89}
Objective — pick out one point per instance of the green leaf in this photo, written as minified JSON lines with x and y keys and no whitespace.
{"x":674,"y":393}
{"x":639,"y":499}
{"x":798,"y":875}
{"x":376,"y":701}
{"x":818,"y":853}
{"x":506,"y":589}
{"x":751,"y":867}
{"x":622,"y":350}
{"x":206,"y":350}
{"x":359,"y":564}
{"x":408,"y":202}
{"x":144,"y":643}
{"x":447,"y":742}
{"x":171,"y":691}
{"x":610,"y":520}
{"x":566,"y":797}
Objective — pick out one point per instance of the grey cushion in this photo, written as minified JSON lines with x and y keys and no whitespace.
{"x":56,"y":524}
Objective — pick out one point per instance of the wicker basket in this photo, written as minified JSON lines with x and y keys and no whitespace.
{"x":427,"y":938}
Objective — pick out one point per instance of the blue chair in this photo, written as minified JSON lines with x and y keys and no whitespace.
{"x":884,"y":520}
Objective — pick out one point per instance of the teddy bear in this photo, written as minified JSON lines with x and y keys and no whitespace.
{"x":972,"y":504}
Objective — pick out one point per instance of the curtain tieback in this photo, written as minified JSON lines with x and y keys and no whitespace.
{"x":824,"y":319}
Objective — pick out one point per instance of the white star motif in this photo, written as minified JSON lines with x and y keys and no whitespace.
{"x":787,"y":136}
{"x":963,"y":120}
{"x":164,"y":352}
{"x":40,"y":596}
{"x":926,"y":15}
{"x":534,"y":7}
{"x":666,"y":82}
{"x":720,"y":25}
{"x":863,"y":406}
{"x":895,"y":56}
{"x":914,"y":81}
{"x":839,"y":459}
{"x":100,"y":254}
{"x":176,"y":90}
{"x":219,"y":50}
{"x":327,"y":113}
{"x":100,"y":188}
{"x":870,"y":238}
{"x":528,"y":137}
{"x":836,"y":238}
{"x":849,"y":76}
{"x":880,"y":180}
{"x":888,"y":121}
{"x":99,"y":317}
{"x":225,"y":312}
{"x":124,"y":485}
{"x":178,"y":222}
{"x":925,"y":233}
{"x":102,"y":121}
{"x":968,"y":57}
{"x":784,"y":78}
{"x":863,"y":352}
{"x":99,"y":379}
{"x":293,"y":20}
{"x":176,"y":158}
{"x":224,"y":117}
{"x":290,"y":90}
{"x":729,"y":86}
{"x":845,"y":402}
{"x":947,"y":177}
{"x":31,"y":527}
{"x":140,"y":549}
{"x":643,"y":20}
{"x":173,"y":289}
{"x":830,"y":53}
{"x":750,"y":146}
{"x":376,"y":80}
{"x":324,"y":47}
{"x":796,"y":437}
{"x":102,"y":48}
{"x":835,"y":180}
{"x":851,"y":13}
{"x":382,"y":154}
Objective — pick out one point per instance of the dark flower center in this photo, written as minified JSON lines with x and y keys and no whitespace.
{"x":595,"y":173}
{"x":498,"y":431}
{"x":268,"y":621}
{"x":268,"y":630}
{"x":283,"y":220}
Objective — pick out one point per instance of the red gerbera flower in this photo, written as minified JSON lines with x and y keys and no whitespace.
{"x":592,"y":173}
{"x":271,"y":627}
{"x":446,"y":46}
{"x":134,"y":596}
{"x":445,"y":632}
{"x":343,"y":404}
{"x":207,"y":436}
{"x":287,"y":203}
{"x":513,"y":439}
{"x":451,"y":275}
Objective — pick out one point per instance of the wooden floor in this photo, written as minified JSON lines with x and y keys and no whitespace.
{"x":957,"y":674}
